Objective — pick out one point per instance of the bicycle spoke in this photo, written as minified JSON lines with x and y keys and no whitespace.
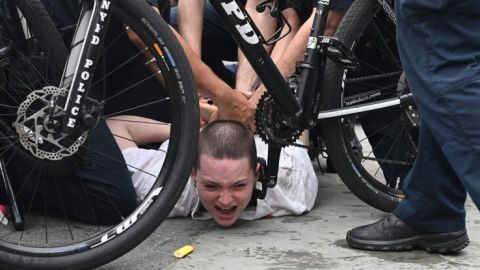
{"x":72,"y":204}
{"x":70,"y":229}
{"x":117,"y":68}
{"x":120,"y":161}
{"x":137,"y":107}
{"x":131,"y":87}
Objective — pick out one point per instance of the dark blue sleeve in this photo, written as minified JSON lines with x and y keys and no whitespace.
{"x":340,"y":4}
{"x":64,"y":13}
{"x":153,"y":2}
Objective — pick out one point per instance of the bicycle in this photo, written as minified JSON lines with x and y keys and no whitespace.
{"x":281,"y":117}
{"x":362,"y":104}
{"x":51,"y":109}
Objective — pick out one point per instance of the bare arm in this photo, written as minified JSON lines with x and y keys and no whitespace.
{"x":247,"y":79}
{"x":132,"y":131}
{"x":281,"y":46}
{"x":295,"y":50}
{"x":231,"y":104}
{"x":190,"y":22}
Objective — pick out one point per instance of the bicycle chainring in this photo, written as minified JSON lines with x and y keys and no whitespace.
{"x":36,"y":135}
{"x":271,"y":124}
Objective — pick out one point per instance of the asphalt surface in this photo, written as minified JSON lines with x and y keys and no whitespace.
{"x":313,"y":241}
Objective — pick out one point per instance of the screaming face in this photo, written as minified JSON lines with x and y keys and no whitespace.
{"x":225,"y":187}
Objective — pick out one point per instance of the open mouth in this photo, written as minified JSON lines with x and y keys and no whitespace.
{"x":226,"y":211}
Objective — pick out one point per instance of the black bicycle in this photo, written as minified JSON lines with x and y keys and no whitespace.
{"x":51,"y":101}
{"x":350,"y":86}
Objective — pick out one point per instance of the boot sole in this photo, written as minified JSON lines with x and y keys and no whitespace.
{"x":434,"y":243}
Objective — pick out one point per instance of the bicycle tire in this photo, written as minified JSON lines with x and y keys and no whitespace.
{"x":101,"y":243}
{"x":46,"y":34}
{"x":35,"y":45}
{"x":372,"y":152}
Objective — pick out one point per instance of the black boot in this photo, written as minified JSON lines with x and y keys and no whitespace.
{"x":392,"y":234}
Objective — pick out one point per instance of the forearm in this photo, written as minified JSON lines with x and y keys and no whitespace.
{"x":190,"y":23}
{"x":288,"y":52}
{"x":281,"y":46}
{"x":247,"y":79}
{"x":132,"y":131}
{"x":295,"y":50}
{"x":208,"y":83}
{"x":231,"y":104}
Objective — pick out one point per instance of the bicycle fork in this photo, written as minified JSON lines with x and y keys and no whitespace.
{"x":86,"y":46}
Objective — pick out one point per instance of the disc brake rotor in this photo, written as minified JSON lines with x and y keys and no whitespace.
{"x":34,"y":117}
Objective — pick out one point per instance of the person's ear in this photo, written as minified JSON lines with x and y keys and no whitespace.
{"x":193,"y":175}
{"x":257,"y":171}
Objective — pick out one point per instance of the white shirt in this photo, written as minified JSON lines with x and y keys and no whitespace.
{"x":294,"y":193}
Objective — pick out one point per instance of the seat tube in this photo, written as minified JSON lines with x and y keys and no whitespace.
{"x":312,"y":69}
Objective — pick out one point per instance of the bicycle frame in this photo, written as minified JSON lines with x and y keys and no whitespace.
{"x":300,"y":107}
{"x":250,"y":41}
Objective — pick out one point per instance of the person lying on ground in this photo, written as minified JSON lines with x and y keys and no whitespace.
{"x":225,"y":173}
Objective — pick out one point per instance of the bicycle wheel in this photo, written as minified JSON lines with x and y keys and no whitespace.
{"x":34,"y":56}
{"x":372,"y":152}
{"x":65,"y":217}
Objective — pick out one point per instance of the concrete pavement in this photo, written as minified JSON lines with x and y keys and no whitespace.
{"x":312,"y":241}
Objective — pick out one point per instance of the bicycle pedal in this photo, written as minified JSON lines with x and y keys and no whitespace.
{"x":338,"y":52}
{"x":413,"y":116}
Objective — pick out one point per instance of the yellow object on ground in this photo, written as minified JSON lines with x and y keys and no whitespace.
{"x":184,"y":251}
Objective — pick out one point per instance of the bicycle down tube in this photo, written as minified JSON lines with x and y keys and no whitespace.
{"x":250,"y":41}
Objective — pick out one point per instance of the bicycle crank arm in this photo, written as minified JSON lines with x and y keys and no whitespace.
{"x":364,"y":107}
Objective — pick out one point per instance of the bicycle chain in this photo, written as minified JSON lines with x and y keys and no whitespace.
{"x":373,"y":77}
{"x":262,"y":125}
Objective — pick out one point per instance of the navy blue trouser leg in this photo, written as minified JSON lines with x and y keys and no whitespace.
{"x":439,"y":48}
{"x":435,"y":196}
{"x":101,"y":192}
